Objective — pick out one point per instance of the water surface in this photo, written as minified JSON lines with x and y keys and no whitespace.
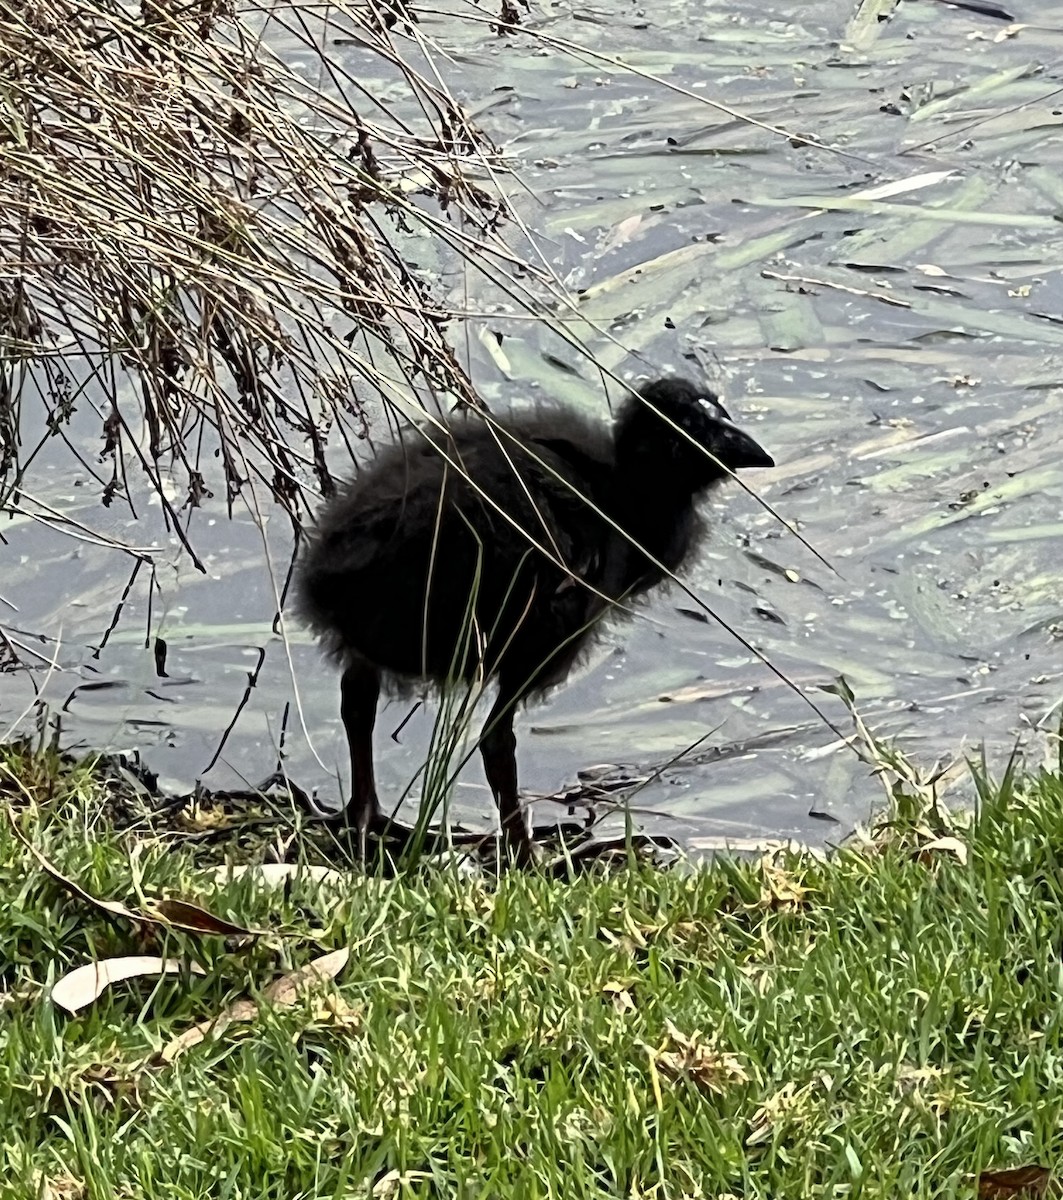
{"x":898,"y":352}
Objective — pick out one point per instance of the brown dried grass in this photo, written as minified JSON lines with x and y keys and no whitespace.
{"x":183,"y":211}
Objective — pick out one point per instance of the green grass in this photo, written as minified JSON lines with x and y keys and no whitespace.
{"x":881,"y":1024}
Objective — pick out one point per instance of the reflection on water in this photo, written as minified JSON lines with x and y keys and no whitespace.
{"x":897,"y":355}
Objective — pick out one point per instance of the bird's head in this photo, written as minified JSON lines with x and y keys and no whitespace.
{"x":682,"y":433}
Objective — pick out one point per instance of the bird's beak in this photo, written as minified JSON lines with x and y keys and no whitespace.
{"x":740,"y":450}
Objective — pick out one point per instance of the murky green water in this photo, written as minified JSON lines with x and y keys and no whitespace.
{"x":886,"y":316}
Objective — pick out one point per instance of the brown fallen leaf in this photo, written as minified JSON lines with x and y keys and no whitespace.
{"x":283,"y":991}
{"x":1015,"y":1181}
{"x":290,"y":987}
{"x":241,"y":1010}
{"x":80,"y":987}
{"x":107,"y":906}
{"x":185,"y":917}
{"x":192,"y":919}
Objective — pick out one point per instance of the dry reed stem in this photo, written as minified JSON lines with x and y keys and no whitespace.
{"x":221,"y":246}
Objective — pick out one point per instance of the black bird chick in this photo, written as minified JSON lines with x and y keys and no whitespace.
{"x":491,"y":548}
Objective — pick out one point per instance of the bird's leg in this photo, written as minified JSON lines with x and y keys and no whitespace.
{"x":359,"y":692}
{"x":498,"y":747}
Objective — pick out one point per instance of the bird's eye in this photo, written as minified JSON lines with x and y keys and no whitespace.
{"x":714,"y":408}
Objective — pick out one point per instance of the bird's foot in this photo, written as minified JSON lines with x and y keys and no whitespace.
{"x":581,"y":857}
{"x":367,"y":830}
{"x":565,"y":849}
{"x":395,"y":837}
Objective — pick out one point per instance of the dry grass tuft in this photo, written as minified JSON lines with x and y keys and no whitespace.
{"x":227,"y":253}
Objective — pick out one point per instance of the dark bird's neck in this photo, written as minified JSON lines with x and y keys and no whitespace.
{"x":659,"y":476}
{"x":660,"y":515}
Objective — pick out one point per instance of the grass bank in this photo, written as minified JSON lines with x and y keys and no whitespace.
{"x":884,"y":1023}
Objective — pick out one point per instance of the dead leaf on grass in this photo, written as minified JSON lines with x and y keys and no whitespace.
{"x":1014,"y":1182}
{"x":190,"y":918}
{"x":80,"y":987}
{"x":168,"y":914}
{"x":288,"y":988}
{"x":942,"y":845}
{"x":284,"y":992}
